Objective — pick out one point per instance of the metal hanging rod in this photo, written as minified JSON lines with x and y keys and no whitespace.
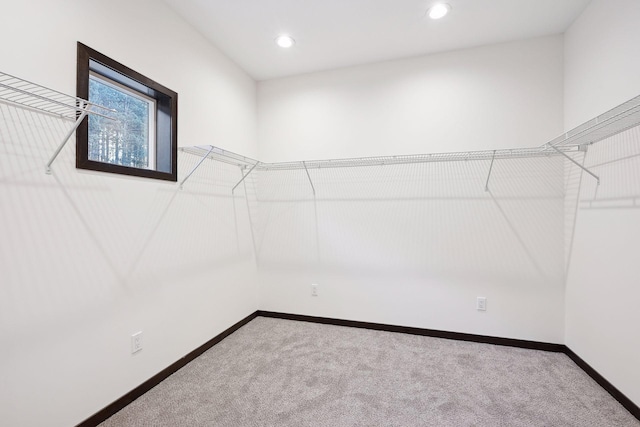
{"x":16,"y":91}
{"x":624,"y":116}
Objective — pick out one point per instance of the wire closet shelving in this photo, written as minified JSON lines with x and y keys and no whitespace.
{"x":17,"y":91}
{"x":618,"y":119}
{"x":624,"y":116}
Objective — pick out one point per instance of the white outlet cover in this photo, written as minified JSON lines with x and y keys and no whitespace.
{"x":481,"y":304}
{"x":314,"y":289}
{"x":136,"y":342}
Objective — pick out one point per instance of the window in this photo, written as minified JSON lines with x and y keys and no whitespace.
{"x":142,"y":141}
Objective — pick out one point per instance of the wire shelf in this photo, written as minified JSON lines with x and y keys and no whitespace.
{"x":415,"y":158}
{"x":229,"y":157}
{"x":623,"y":117}
{"x":31,"y":95}
{"x":219,"y":154}
{"x":248,"y":164}
{"x":16,"y":91}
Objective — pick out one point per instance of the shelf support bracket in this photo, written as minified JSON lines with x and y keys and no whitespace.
{"x":244,"y":177}
{"x":196,"y":167}
{"x":578,"y":164}
{"x":309,"y":176}
{"x":486,"y":185}
{"x":85,"y":111}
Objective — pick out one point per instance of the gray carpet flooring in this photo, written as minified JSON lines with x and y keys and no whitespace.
{"x":275,"y":372}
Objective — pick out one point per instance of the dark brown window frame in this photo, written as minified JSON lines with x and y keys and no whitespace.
{"x":166,"y":119}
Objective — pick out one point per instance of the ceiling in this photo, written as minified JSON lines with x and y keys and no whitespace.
{"x":340,"y":33}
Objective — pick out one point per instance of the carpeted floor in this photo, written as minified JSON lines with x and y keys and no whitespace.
{"x":275,"y":372}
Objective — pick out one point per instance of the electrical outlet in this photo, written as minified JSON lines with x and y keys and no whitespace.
{"x":481,"y":304}
{"x":314,"y":289}
{"x":136,"y":342}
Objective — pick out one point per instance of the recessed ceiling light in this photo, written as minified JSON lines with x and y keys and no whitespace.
{"x":285,"y":41}
{"x":439,"y":10}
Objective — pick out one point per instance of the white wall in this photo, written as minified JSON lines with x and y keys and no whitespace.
{"x":602,"y":70}
{"x":87,"y":259}
{"x":500,"y":96}
{"x":601,"y":61}
{"x":415,"y":245}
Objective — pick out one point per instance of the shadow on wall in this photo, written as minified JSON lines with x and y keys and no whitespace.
{"x":73,"y":240}
{"x":616,"y":161}
{"x":432,"y":218}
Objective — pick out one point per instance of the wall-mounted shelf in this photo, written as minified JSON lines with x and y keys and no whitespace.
{"x":221,"y":155}
{"x":624,"y":116}
{"x":16,"y":91}
{"x":414,"y":158}
{"x":215,"y":153}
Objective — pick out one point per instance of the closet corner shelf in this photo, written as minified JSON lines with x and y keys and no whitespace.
{"x":221,"y":155}
{"x":16,"y":91}
{"x":621,"y":118}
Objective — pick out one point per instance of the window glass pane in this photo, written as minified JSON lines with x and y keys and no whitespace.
{"x":127,"y":141}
